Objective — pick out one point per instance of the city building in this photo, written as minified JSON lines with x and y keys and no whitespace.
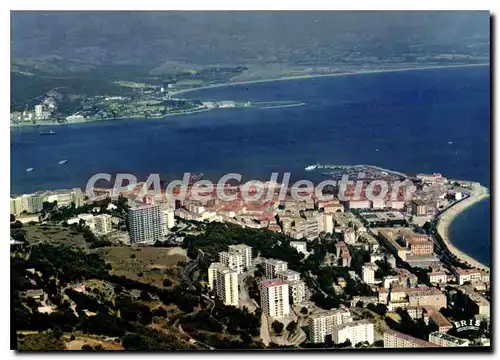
{"x":321,"y":324}
{"x":437,"y":277}
{"x":167,"y":220}
{"x":245,"y":251}
{"x":466,"y":275}
{"x":297,"y":291}
{"x":355,"y":331}
{"x":420,"y":246}
{"x":368,"y":273}
{"x":288,"y":275}
{"x":445,"y":340}
{"x":38,"y":111}
{"x":103,"y":224}
{"x":300,"y":246}
{"x":418,"y":208}
{"x":427,"y":297}
{"x":145,"y":224}
{"x":226,"y":284}
{"x":438,"y":321}
{"x":395,"y":339}
{"x":273,"y":266}
{"x":212,"y":274}
{"x":274,"y":298}
{"x":232,"y":260}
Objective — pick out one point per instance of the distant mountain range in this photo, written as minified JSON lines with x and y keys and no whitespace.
{"x":75,"y":42}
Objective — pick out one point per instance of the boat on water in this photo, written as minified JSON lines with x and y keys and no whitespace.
{"x":62,"y":162}
{"x":47,"y":132}
{"x":29,"y":169}
{"x":312,"y":167}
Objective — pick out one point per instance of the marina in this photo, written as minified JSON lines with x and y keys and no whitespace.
{"x":354,"y":171}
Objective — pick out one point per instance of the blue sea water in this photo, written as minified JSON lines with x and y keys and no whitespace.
{"x":402,"y":121}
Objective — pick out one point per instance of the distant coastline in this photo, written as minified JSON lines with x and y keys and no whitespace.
{"x":309,"y":76}
{"x":446,"y":218}
{"x":284,"y":78}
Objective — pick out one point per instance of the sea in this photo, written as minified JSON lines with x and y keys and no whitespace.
{"x":433,"y":120}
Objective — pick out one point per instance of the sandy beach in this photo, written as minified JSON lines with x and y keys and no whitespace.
{"x":309,"y":76}
{"x":445,"y":219}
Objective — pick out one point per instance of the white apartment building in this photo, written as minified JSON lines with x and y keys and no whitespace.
{"x":355,"y":331}
{"x":232,"y":260}
{"x":300,"y":246}
{"x":438,"y":277}
{"x":103,"y":224}
{"x":445,"y":340}
{"x":274,"y":298}
{"x":288,"y":275}
{"x":227,"y":285}
{"x":31,"y":203}
{"x":273,"y":266}
{"x":368,"y":273}
{"x":212,"y":274}
{"x":389,"y":279}
{"x":65,"y":197}
{"x":326,"y":225}
{"x":167,"y":220}
{"x":144,"y":224}
{"x":244,"y":250}
{"x":321,"y":324}
{"x":296,"y":291}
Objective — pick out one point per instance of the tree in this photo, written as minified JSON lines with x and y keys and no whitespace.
{"x":277,"y":327}
{"x":291,"y":327}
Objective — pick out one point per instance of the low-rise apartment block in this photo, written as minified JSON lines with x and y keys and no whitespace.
{"x":354,"y":331}
{"x":445,"y":340}
{"x":321,"y":324}
{"x":395,"y":339}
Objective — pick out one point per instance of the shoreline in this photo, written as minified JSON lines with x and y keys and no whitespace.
{"x":446,"y":218}
{"x":310,"y":76}
{"x":195,"y":111}
{"x":284,"y":78}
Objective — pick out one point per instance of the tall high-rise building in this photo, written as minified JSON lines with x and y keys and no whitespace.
{"x":103,"y":224}
{"x":244,"y":250}
{"x":273,"y":266}
{"x":144,"y":224}
{"x":167,"y":219}
{"x":227,"y":285}
{"x":321,"y":324}
{"x":212,"y":274}
{"x":232,"y":260}
{"x":274,"y":298}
